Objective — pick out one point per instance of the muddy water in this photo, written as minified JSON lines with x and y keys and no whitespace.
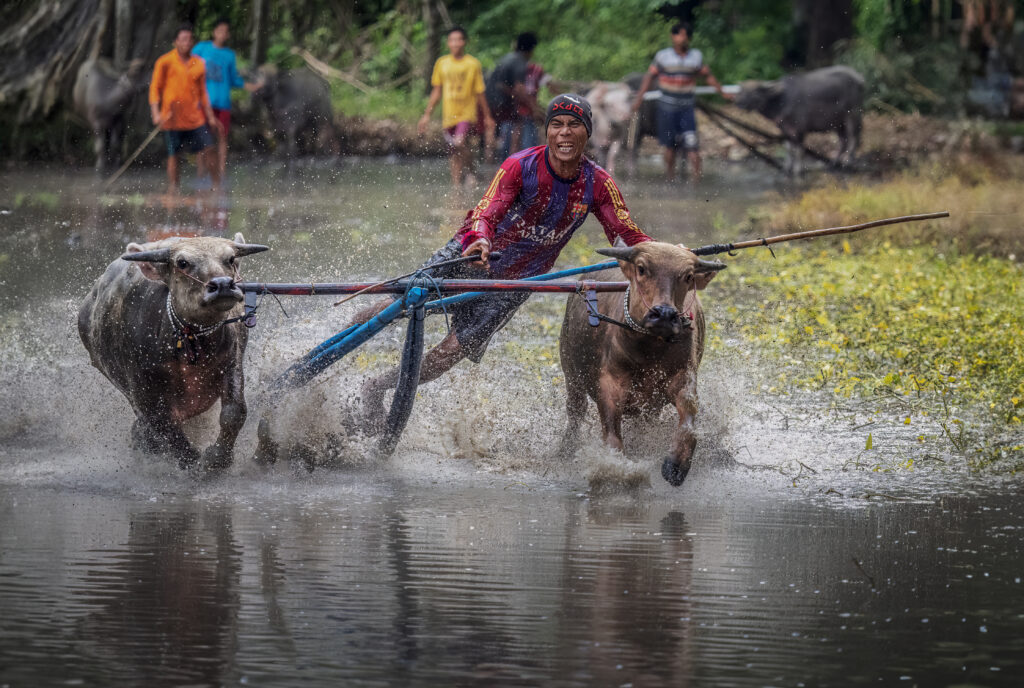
{"x":471,"y":557}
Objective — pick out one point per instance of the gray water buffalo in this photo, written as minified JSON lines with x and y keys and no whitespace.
{"x":298,"y":103}
{"x":652,"y":362}
{"x":102,"y":97}
{"x":827,"y":99}
{"x":156,"y":324}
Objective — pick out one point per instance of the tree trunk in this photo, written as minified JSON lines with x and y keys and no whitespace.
{"x":123,"y":16}
{"x":260,"y":19}
{"x":822,"y":23}
{"x":430,"y":20}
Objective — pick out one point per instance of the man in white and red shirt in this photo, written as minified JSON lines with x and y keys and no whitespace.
{"x":677,"y":70}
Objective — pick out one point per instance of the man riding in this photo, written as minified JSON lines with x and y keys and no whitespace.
{"x":538,"y":198}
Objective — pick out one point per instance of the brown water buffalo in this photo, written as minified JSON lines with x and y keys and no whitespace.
{"x":827,"y":99}
{"x":637,"y":370}
{"x":154,"y":325}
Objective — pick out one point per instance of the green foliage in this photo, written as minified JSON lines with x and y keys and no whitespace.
{"x":929,"y":79}
{"x":590,"y":39}
{"x":932,"y":334}
{"x":743,"y":39}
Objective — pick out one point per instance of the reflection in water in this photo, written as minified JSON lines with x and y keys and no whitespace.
{"x":346,"y":581}
{"x":166,"y":611}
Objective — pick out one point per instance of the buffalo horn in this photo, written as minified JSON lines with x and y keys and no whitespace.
{"x":249,"y":249}
{"x":712,"y":265}
{"x":159,"y":255}
{"x":618,"y":252}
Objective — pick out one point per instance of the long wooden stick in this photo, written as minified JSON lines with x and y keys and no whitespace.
{"x":725,"y":248}
{"x":113,"y":178}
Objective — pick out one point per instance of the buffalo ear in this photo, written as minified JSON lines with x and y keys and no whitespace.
{"x":152,"y":263}
{"x":705,"y":271}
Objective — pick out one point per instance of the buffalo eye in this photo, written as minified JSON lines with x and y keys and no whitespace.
{"x":182,"y":264}
{"x":640,"y":270}
{"x":230,"y":261}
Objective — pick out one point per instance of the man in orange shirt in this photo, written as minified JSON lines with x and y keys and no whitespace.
{"x":181,"y":107}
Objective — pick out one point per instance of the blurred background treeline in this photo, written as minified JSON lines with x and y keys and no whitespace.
{"x":939,"y":57}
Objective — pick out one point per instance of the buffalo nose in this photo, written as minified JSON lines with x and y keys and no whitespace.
{"x":220,"y":285}
{"x":663,"y":313}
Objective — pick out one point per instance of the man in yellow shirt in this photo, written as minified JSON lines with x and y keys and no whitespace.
{"x":180,"y":106}
{"x":458,"y":82}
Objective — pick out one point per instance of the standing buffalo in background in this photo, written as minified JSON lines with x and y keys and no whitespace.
{"x":161,"y":325}
{"x":611,"y":104}
{"x":298,"y":103}
{"x":649,"y":363}
{"x":102,"y":97}
{"x":827,"y":99}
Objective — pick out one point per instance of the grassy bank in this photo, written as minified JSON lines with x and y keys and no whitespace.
{"x":925,"y":319}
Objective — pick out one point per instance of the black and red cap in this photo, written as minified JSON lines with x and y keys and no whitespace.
{"x":570,"y":104}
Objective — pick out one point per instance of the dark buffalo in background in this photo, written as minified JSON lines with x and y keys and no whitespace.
{"x":102,"y":97}
{"x":298,"y":104}
{"x":830,"y":99}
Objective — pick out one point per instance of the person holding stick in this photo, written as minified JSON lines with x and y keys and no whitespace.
{"x":179,"y":105}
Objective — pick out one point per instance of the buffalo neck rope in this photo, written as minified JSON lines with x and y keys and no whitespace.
{"x":627,"y":323}
{"x":186,"y":334}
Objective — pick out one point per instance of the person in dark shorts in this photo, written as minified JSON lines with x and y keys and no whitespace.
{"x":538,"y":198}
{"x":677,"y":70}
{"x":180,"y":105}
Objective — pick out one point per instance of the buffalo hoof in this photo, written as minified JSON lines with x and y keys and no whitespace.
{"x":673,"y":471}
{"x":216,"y":460}
{"x":188,"y":459}
{"x":267,"y":449}
{"x":144,"y":440}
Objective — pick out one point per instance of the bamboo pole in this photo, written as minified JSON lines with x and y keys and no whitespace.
{"x":114,"y":177}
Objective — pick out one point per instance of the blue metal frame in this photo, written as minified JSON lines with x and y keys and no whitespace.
{"x":331,"y":350}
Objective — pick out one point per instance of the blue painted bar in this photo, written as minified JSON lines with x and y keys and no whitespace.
{"x":327,"y":344}
{"x":304,"y":371}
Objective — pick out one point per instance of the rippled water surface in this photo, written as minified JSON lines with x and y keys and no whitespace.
{"x":471,"y":557}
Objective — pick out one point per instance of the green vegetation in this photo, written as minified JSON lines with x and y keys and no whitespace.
{"x":909,"y":51}
{"x":903,"y":318}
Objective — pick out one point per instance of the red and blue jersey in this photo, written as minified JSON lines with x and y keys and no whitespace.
{"x":529,"y":213}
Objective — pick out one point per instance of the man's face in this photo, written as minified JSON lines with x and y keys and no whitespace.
{"x":456,"y":43}
{"x":681,"y":40}
{"x":221,"y":33}
{"x":567,"y":137}
{"x":183,"y":43}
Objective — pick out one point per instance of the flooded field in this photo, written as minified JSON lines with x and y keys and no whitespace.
{"x":472,"y":556}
